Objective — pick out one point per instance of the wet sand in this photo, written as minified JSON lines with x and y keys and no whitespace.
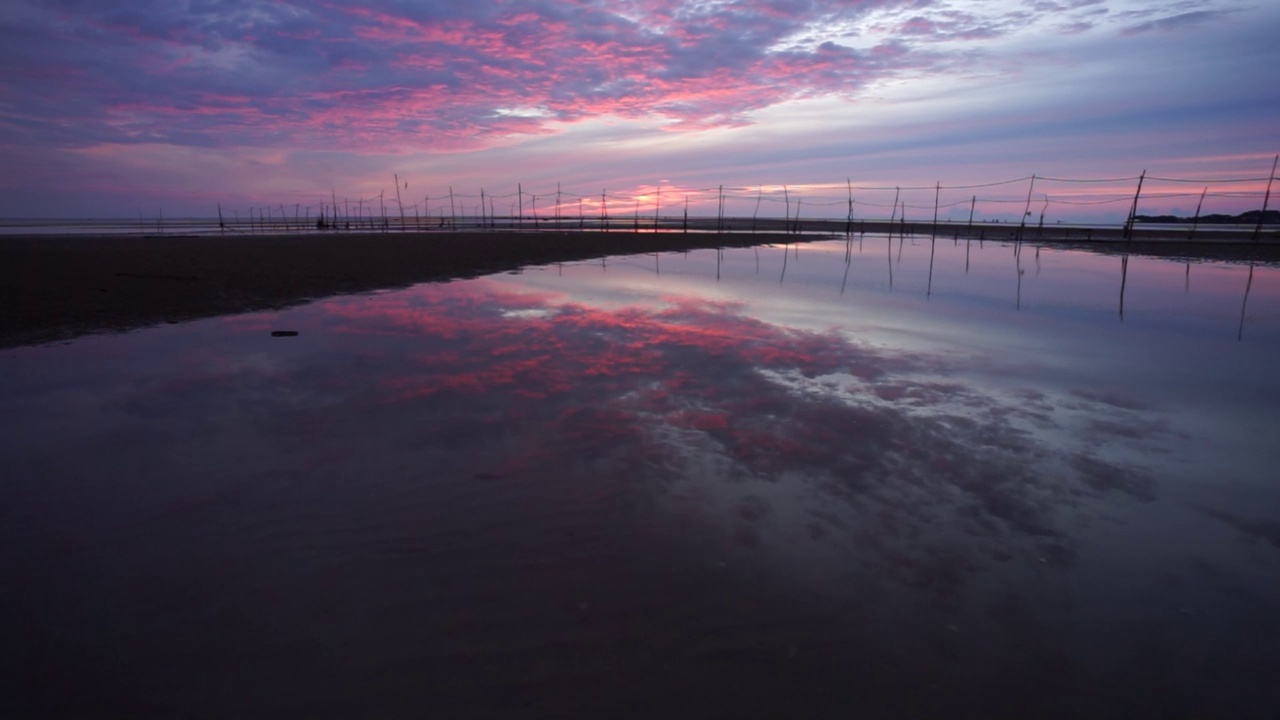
{"x":56,"y":288}
{"x":59,"y":287}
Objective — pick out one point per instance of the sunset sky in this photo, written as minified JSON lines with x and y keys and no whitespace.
{"x":120,"y":107}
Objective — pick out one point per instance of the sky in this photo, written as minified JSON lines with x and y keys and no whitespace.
{"x":113,"y":108}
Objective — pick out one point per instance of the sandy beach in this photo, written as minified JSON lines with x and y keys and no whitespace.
{"x":59,"y":287}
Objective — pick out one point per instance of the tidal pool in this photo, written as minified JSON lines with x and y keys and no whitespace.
{"x":884,"y":477}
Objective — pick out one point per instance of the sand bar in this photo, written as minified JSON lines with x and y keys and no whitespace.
{"x":59,"y":287}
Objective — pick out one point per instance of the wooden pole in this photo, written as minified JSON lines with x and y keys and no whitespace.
{"x":1195,"y":221}
{"x":937,"y":190}
{"x":902,"y":228}
{"x":453,"y":212}
{"x":1266,"y":200}
{"x":1133,"y":210}
{"x":399,"y":202}
{"x":657,"y":207}
{"x":787,"y":198}
{"x":848,"y":220}
{"x":759,"y":197}
{"x":720,"y":212}
{"x":1022,"y":224}
{"x":894,"y":214}
{"x":222,"y":226}
{"x":520,"y":199}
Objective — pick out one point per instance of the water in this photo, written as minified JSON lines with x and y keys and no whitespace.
{"x":757,"y":482}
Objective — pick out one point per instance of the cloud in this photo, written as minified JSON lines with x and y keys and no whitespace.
{"x":391,"y":74}
{"x":391,"y":86}
{"x":1175,"y":23}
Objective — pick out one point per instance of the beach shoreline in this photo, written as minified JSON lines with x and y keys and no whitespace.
{"x":55,"y":288}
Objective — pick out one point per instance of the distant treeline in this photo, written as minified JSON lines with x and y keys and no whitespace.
{"x":1244,"y":218}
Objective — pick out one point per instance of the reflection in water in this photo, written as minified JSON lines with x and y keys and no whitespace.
{"x":639,"y":490}
{"x":1245,"y":303}
{"x":1124,"y":277}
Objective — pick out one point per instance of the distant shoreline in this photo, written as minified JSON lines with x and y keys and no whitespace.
{"x":59,"y":287}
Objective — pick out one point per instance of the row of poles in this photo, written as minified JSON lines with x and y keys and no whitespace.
{"x":486,"y":214}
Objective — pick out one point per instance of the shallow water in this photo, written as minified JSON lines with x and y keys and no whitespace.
{"x":888,"y":477}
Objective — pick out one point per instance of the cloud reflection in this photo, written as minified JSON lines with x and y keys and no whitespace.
{"x":705,"y":409}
